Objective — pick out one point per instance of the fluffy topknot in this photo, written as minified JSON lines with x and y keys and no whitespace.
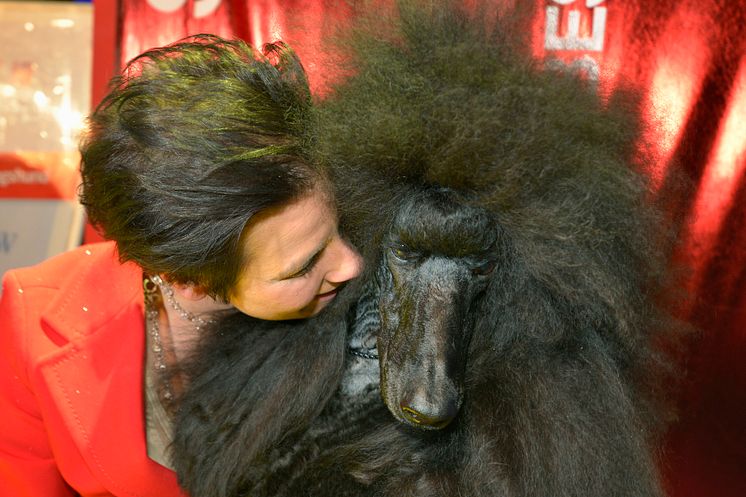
{"x":450,"y":96}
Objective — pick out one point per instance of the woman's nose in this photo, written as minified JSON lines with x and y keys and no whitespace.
{"x":347,"y":264}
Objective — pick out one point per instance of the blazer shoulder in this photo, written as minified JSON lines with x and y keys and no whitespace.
{"x":55,"y":272}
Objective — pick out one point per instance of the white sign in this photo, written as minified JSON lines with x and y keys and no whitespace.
{"x":202,"y":8}
{"x":572,"y":40}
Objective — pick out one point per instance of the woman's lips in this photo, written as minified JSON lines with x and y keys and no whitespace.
{"x":325,"y":297}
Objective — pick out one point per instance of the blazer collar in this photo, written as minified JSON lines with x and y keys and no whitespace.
{"x":96,"y":288}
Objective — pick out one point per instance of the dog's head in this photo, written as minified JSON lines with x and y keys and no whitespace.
{"x":439,"y":257}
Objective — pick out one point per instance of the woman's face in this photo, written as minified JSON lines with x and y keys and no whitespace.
{"x":296,"y":260}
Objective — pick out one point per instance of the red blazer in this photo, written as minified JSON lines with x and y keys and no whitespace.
{"x":71,"y":380}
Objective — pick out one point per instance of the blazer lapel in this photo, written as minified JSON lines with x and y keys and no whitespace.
{"x":96,"y":382}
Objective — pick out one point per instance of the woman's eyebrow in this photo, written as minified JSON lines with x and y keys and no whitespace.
{"x":307,"y":263}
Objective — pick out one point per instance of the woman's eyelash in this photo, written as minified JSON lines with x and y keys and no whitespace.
{"x":304,"y":271}
{"x":308,"y":267}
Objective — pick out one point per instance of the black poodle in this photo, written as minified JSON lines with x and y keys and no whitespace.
{"x":504,"y":340}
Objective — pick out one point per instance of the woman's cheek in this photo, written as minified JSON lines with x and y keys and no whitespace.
{"x":297,"y":294}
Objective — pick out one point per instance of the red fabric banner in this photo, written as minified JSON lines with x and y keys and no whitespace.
{"x":688,"y":57}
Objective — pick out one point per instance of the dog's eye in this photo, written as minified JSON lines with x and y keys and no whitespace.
{"x":403,"y":253}
{"x":484,"y":269}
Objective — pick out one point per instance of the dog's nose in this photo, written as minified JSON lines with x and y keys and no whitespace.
{"x":429,"y":416}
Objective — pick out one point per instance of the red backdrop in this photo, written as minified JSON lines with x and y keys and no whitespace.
{"x":689,"y":59}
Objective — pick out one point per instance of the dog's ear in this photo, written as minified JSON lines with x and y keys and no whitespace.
{"x":253,"y":386}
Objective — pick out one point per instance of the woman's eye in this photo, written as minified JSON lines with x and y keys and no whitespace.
{"x":484,"y":269}
{"x":303,"y":272}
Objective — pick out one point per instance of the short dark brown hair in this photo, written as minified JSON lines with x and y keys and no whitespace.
{"x":192,"y":141}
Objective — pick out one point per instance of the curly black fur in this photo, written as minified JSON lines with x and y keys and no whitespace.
{"x":513,"y":263}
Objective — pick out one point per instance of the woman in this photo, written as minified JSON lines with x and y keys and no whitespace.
{"x":192,"y":167}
